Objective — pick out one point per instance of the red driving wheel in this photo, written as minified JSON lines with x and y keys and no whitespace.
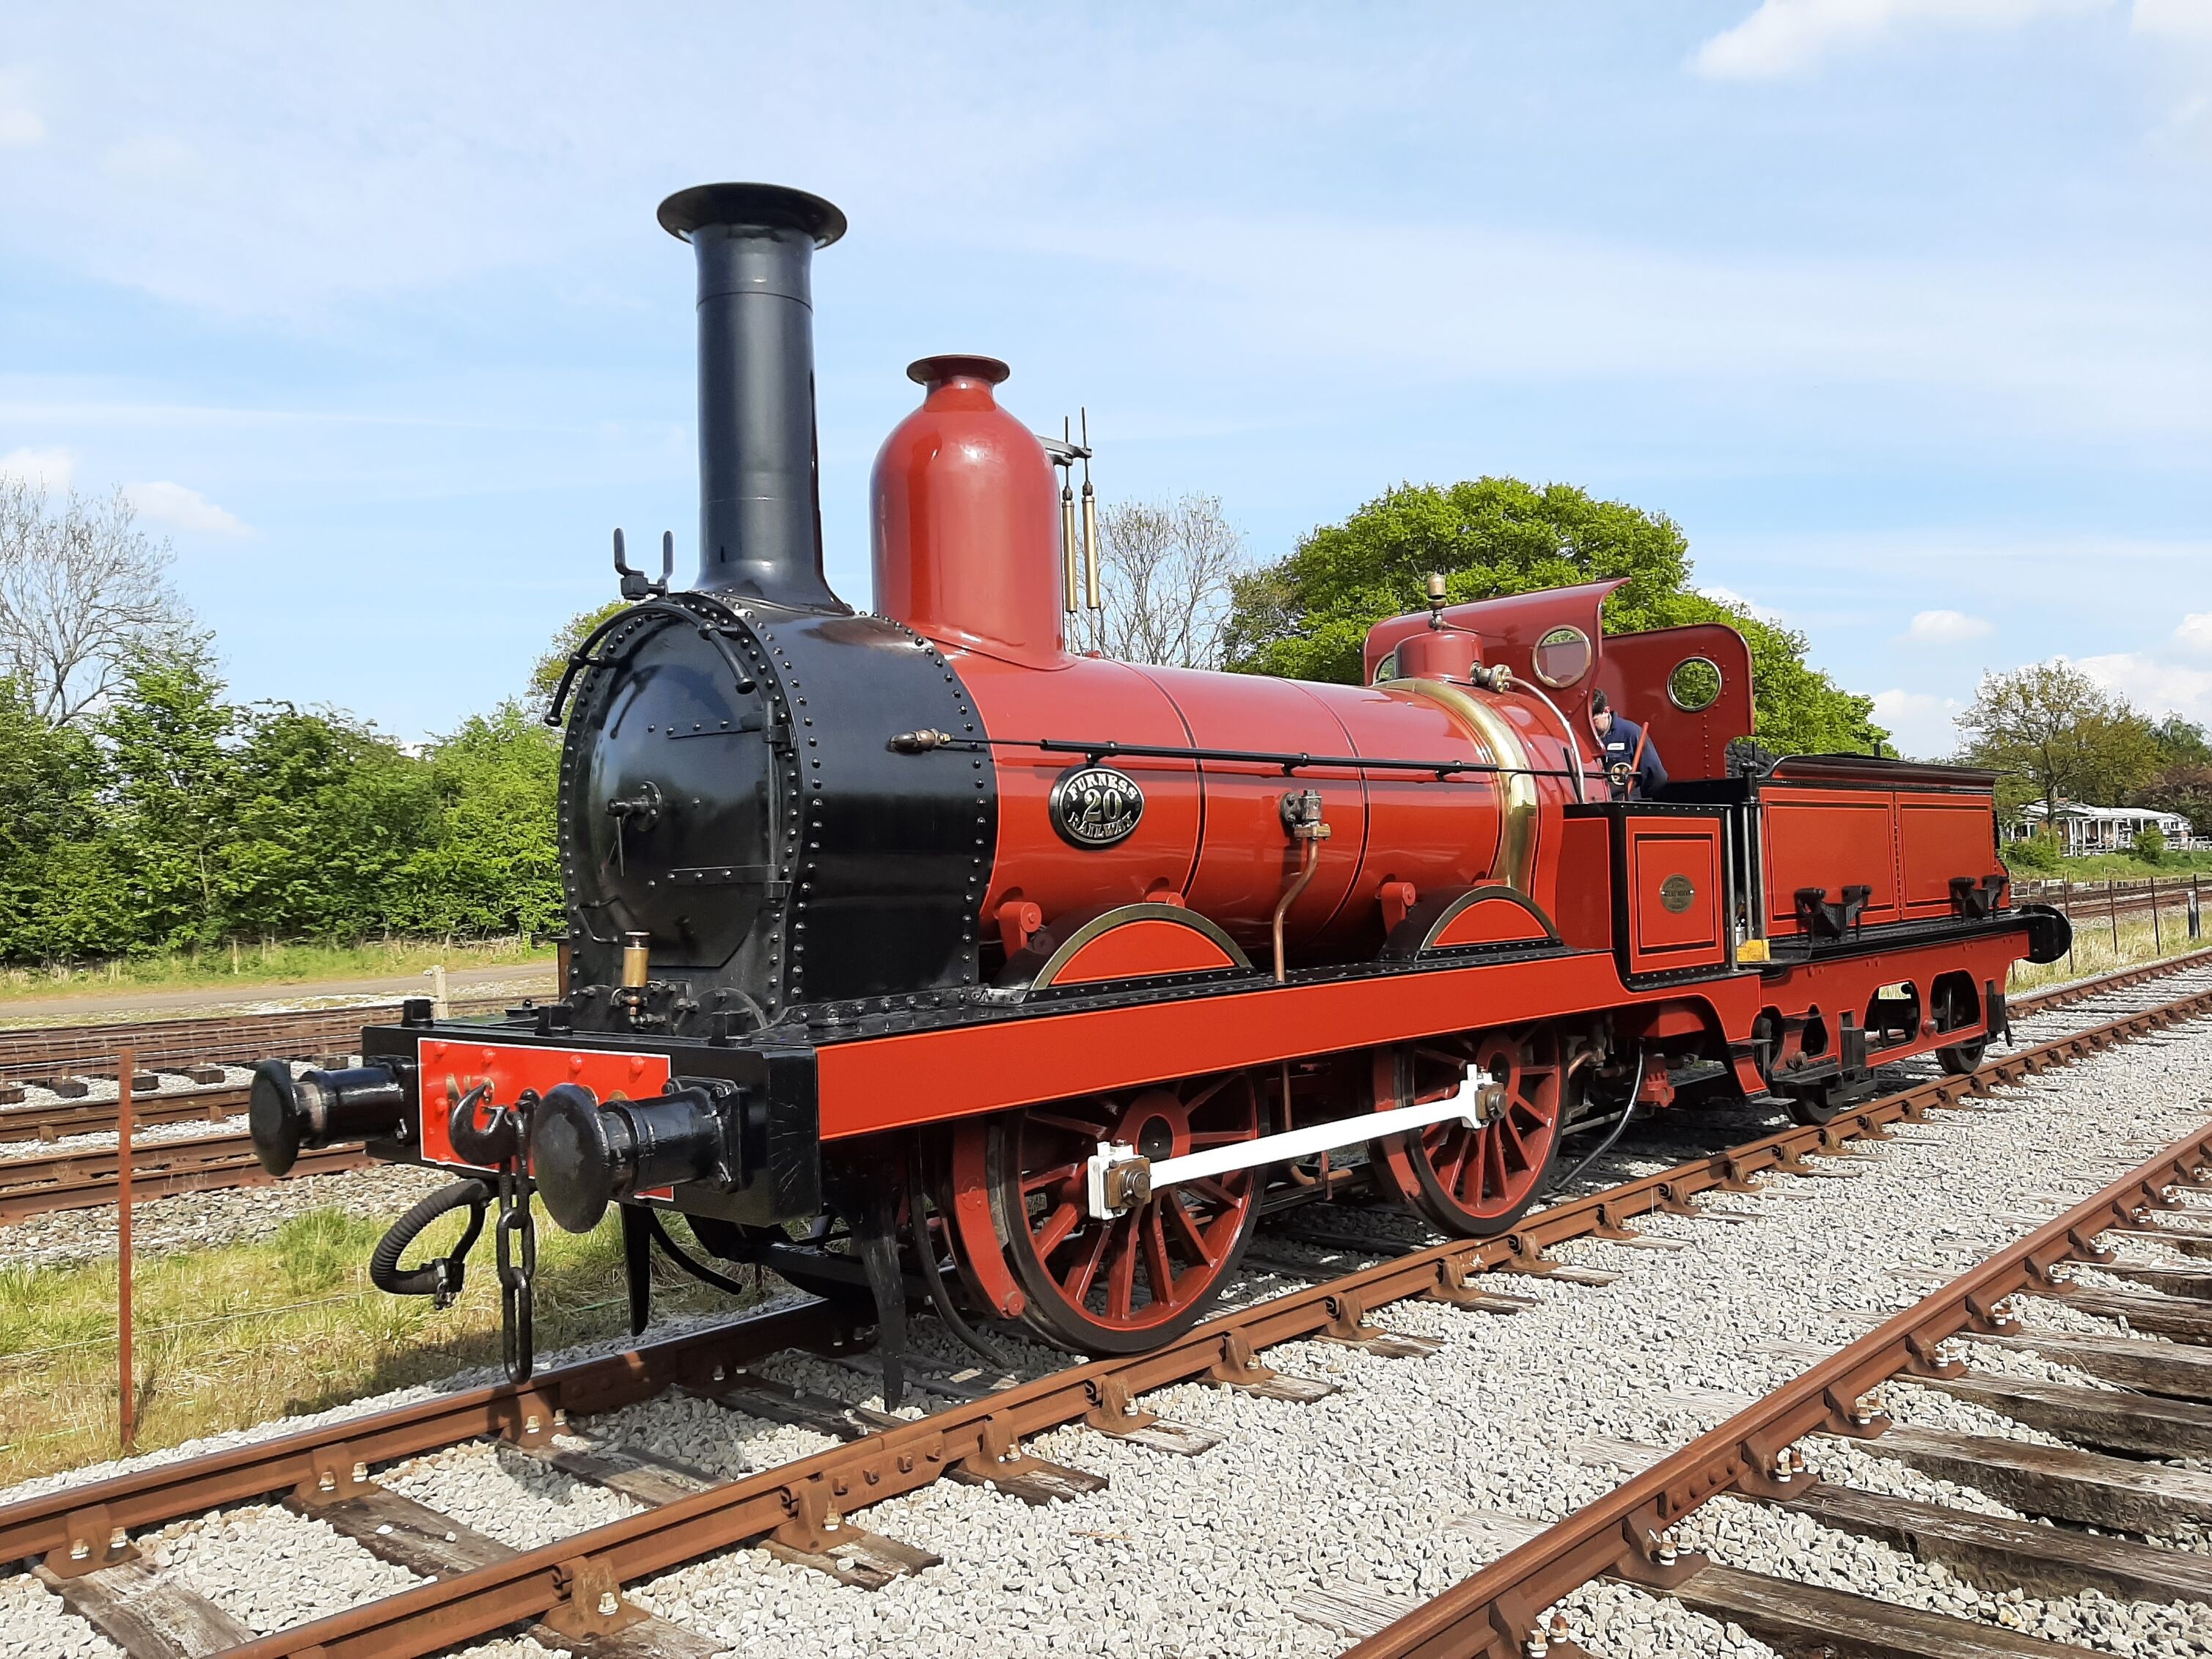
{"x":1134,"y":1281}
{"x":1474,"y":1181}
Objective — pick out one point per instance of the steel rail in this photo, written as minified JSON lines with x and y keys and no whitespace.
{"x":241,"y":1039}
{"x":982,"y":1438}
{"x":162,"y":1169}
{"x":89,"y":1117}
{"x":1496,"y":1611}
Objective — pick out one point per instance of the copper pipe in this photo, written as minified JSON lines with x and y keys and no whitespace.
{"x":1308,"y":861}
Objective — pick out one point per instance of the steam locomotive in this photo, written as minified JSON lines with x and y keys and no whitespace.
{"x":917,"y":954}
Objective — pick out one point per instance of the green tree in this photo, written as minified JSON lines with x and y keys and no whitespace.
{"x":546,"y":675}
{"x":326,"y":813}
{"x":492,"y":865}
{"x":2181,"y":743}
{"x":2182,"y":788}
{"x":49,"y":783}
{"x":1307,"y":616}
{"x":2059,"y":735}
{"x":171,"y":786}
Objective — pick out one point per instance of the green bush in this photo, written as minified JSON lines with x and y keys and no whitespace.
{"x":2150,"y":843}
{"x":2040,"y":853}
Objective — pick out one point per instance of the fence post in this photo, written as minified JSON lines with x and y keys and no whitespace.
{"x":2112,"y":910}
{"x":125,"y":1070}
{"x":2195,"y":912}
{"x":2157,"y":938}
{"x":2066,"y":903}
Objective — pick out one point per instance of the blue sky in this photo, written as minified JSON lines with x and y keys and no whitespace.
{"x":1900,"y":307}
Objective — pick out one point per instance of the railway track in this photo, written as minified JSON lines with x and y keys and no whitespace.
{"x":67,"y":1059}
{"x":163,"y":1168}
{"x":803,"y":1510}
{"x":2100,"y":1466}
{"x":80,"y":1180}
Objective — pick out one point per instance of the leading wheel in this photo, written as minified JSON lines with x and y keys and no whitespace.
{"x":1477,"y":1181}
{"x":1136,"y":1280}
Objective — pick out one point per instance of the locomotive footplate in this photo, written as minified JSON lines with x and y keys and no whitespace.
{"x":708,"y":1128}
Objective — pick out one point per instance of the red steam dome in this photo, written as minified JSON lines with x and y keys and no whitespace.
{"x":966,"y":524}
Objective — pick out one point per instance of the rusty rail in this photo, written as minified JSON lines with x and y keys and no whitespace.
{"x":1496,"y":1612}
{"x":575,"y":1577}
{"x":86,"y":1117}
{"x":161,"y":1169}
{"x":235,"y":1039}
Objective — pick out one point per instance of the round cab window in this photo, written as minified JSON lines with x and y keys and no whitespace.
{"x":1387,"y":669}
{"x":1695,"y":684}
{"x":1563,"y":656}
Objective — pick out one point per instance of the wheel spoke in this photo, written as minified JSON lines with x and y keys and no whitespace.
{"x":1052,"y":1177}
{"x":1158,"y":1273}
{"x":1121,"y":1278}
{"x":1218,"y":1136}
{"x":1208,"y":1092}
{"x":1077,"y":1280}
{"x":1185,"y":1228}
{"x":1459,"y":1144}
{"x":1214,"y":1188}
{"x":1076,"y":1127}
{"x":1057,"y":1226}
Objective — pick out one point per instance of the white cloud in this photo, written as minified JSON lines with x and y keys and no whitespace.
{"x":158,"y":160}
{"x":21,"y":126}
{"x":1948,"y":628}
{"x":2195,"y":633}
{"x":2185,"y":20}
{"x":1742,"y":602}
{"x":1785,"y":36}
{"x":187,"y":509}
{"x":2154,"y":686}
{"x":1919,"y":723}
{"x":52,"y":467}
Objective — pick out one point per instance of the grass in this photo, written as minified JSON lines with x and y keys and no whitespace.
{"x":242,"y":1334}
{"x":2094,"y":952}
{"x":243,"y":965}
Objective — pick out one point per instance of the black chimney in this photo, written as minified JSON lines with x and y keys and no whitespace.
{"x":760,"y":498}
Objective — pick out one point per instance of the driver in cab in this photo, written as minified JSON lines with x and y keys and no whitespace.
{"x":1632,"y":760}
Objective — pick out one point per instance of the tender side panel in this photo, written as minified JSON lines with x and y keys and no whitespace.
{"x":1673,"y":902}
{"x":1939,"y":837}
{"x":1830,"y":839}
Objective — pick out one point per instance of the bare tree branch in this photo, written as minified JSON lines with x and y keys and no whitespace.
{"x":1170,"y":568}
{"x":80,"y":587}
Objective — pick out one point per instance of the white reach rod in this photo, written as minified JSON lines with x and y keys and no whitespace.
{"x":1296,"y":1143}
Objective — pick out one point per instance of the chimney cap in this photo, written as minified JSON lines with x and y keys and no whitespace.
{"x":776,"y":206}
{"x":929,"y":371}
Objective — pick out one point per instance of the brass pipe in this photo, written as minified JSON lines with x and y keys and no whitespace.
{"x":1093,"y":589}
{"x":1070,"y":571}
{"x":1309,"y":862}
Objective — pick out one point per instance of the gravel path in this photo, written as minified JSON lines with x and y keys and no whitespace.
{"x":1386,"y":1487}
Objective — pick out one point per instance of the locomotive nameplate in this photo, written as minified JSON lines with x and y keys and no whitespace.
{"x":1096,"y":805}
{"x":1676,"y":893}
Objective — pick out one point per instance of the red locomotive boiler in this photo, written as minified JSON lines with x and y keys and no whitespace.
{"x":919,"y":956}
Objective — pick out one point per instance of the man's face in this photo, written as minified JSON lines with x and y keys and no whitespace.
{"x":1603,"y":720}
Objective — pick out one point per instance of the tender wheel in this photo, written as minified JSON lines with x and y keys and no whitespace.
{"x":1962,"y":1058}
{"x":1140,"y":1279}
{"x":1476,"y":1182}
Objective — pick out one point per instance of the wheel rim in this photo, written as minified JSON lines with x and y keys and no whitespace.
{"x":1477,"y":1181}
{"x":1139,"y":1280}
